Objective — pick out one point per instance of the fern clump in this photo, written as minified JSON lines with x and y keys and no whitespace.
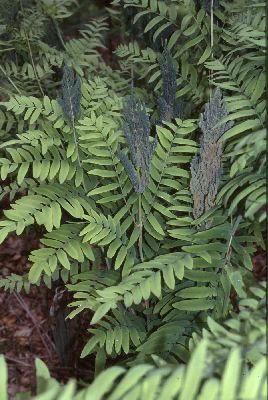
{"x":150,"y":199}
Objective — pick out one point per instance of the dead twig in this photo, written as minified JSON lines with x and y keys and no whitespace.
{"x":36,"y":324}
{"x":17,"y":361}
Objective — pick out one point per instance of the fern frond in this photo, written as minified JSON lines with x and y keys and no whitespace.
{"x":118,"y":333}
{"x":163,"y":382}
{"x":60,"y":245}
{"x":16,"y":283}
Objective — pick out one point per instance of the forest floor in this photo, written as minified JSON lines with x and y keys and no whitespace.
{"x":26,"y":326}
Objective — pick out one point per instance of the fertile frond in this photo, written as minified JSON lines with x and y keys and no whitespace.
{"x":167,"y":102}
{"x":137,"y":131}
{"x":71,"y":94}
{"x":206,"y":167}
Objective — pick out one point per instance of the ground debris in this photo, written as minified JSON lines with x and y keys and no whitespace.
{"x":26,"y":327}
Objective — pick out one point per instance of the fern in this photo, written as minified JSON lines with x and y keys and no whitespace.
{"x":162,"y":382}
{"x":151,"y":201}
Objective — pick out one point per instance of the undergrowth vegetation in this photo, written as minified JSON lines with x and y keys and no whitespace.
{"x":147,"y":180}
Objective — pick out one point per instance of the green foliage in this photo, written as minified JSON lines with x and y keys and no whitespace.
{"x":163,"y":381}
{"x":147,"y":181}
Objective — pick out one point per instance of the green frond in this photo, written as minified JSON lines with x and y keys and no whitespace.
{"x":61,"y":246}
{"x":150,"y":219}
{"x":15,"y":282}
{"x":162,"y":382}
{"x":146,"y":279}
{"x":119,"y":333}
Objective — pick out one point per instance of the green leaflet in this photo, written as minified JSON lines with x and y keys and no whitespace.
{"x":193,"y":376}
{"x":211,"y":389}
{"x":131,"y":379}
{"x":3,"y":378}
{"x":197,"y":292}
{"x":155,"y":224}
{"x":194,"y":305}
{"x":102,"y":310}
{"x":230,"y":379}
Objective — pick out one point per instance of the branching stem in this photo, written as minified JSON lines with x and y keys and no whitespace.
{"x":55,"y":23}
{"x":229,"y":248}
{"x":10,"y":80}
{"x":75,"y":141}
{"x":31,"y":56}
{"x":211,"y":25}
{"x":141,"y":227}
{"x":211,"y":42}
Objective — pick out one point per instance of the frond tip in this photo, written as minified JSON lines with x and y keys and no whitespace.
{"x":70,"y":100}
{"x":169,"y":106}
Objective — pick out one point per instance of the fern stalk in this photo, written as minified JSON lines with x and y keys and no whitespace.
{"x":140,"y":226}
{"x":58,"y":33}
{"x":140,"y":223}
{"x":229,"y":248}
{"x":33,"y":65}
{"x":73,"y":124}
{"x":11,"y":81}
{"x":75,"y":140}
{"x":31,"y":56}
{"x":211,"y":44}
{"x":211,"y":25}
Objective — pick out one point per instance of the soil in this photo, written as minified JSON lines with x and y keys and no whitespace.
{"x":26,"y":327}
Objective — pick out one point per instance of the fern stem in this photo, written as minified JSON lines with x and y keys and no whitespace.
{"x":140,"y":223}
{"x":108,"y":265}
{"x":146,"y":302}
{"x":117,"y":175}
{"x":229,"y":249}
{"x":140,"y":226}
{"x":75,"y":142}
{"x":10,"y":80}
{"x":58,"y":33}
{"x":31,"y":56}
{"x":211,"y":43}
{"x":211,"y":25}
{"x":33,"y":65}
